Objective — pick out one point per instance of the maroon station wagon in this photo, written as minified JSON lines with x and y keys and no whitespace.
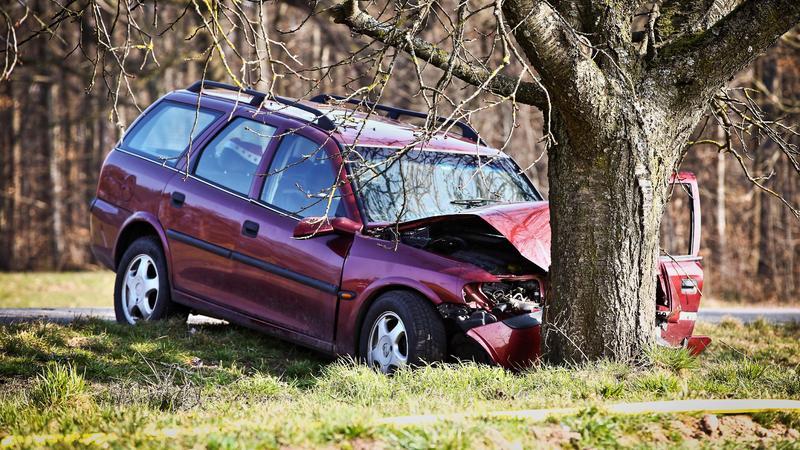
{"x":336,"y":229}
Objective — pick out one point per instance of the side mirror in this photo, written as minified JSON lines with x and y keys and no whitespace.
{"x":320,"y":226}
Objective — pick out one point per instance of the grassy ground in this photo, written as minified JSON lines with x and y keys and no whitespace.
{"x":56,"y":290}
{"x":159,"y":385}
{"x":94,"y":289}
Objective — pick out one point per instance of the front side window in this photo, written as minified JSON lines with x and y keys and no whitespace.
{"x":426,"y":183}
{"x":164,"y":133}
{"x":301,"y":180}
{"x":231,"y":159}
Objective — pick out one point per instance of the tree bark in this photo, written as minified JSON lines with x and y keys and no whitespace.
{"x":56,"y":180}
{"x":6,"y":175}
{"x":607,"y":195}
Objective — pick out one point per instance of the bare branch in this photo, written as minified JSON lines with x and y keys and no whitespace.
{"x":348,"y":13}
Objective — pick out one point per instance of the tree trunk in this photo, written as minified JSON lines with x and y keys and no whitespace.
{"x":721,"y":216}
{"x":56,"y":180}
{"x":606,"y":200}
{"x":6,"y":175}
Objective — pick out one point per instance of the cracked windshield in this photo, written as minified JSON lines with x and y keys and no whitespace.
{"x":425,"y":183}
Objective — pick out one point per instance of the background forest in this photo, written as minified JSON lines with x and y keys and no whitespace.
{"x":65,"y":104}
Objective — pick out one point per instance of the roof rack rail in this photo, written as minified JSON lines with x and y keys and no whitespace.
{"x":258,"y":98}
{"x":394,"y":113}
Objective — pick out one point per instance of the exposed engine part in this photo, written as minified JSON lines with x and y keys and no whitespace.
{"x":513,"y":296}
{"x":464,"y":317}
{"x":472,"y":241}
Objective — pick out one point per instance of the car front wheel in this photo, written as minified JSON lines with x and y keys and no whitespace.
{"x":141,"y":291}
{"x":401,"y":328}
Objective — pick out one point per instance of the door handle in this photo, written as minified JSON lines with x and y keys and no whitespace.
{"x":178,"y":198}
{"x":250,"y":228}
{"x":688,"y":286}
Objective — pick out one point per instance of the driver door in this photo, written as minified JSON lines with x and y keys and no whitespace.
{"x":293,"y":283}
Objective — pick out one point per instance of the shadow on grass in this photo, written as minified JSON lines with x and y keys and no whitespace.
{"x":107,"y":351}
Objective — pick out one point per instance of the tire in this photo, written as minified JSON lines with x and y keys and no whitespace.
{"x":145,"y":295}
{"x":425,"y":340}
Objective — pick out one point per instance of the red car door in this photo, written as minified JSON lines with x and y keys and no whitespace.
{"x":293,"y":283}
{"x":202,"y":212}
{"x":681,"y":272}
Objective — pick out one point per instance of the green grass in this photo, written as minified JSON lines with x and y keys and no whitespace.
{"x":94,"y":383}
{"x":56,"y":290}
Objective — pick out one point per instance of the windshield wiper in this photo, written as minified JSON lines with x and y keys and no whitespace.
{"x":471,"y":202}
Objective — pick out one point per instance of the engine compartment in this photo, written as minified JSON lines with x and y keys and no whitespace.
{"x":470,"y":240}
{"x":520,"y":285}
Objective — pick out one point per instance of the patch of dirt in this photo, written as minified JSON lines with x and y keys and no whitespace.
{"x":555,"y":435}
{"x":694,"y":431}
{"x":740,"y":428}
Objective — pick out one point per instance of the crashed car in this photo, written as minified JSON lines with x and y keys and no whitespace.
{"x":339,"y":225}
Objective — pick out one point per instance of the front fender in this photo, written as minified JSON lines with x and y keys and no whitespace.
{"x":373,"y":266}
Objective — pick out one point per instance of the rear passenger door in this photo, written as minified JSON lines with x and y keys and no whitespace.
{"x":203,"y":212}
{"x":293,"y":283}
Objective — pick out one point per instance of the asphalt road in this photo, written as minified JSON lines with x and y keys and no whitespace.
{"x":64,"y":315}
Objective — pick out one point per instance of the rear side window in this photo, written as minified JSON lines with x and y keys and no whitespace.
{"x":231,"y":159}
{"x":164,"y":133}
{"x":301,"y":180}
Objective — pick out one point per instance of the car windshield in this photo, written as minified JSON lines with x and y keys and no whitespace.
{"x":426,"y":183}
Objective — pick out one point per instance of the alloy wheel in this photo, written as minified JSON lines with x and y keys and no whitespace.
{"x":388,"y":343}
{"x":140,"y":289}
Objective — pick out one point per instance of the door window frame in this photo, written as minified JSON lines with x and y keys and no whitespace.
{"x":679,"y":181}
{"x":331,"y":148}
{"x":283,"y":126}
{"x":198,"y":142}
{"x":218,"y":132}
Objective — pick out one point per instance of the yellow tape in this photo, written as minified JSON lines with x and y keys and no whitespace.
{"x":740,"y":406}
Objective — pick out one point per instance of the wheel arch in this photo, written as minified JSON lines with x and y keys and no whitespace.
{"x":390,"y":286}
{"x":139,"y":225}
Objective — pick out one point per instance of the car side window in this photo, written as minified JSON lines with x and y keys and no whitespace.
{"x":164,"y":133}
{"x":231,"y":159}
{"x":301,"y":180}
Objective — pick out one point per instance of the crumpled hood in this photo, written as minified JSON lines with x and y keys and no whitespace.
{"x":525,"y":225}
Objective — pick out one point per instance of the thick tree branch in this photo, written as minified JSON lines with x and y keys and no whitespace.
{"x":563,"y":57}
{"x":678,"y":18}
{"x":702,"y":62}
{"x":348,"y":13}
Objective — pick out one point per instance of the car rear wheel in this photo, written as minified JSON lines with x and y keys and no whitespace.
{"x":401,"y":328}
{"x":141,"y":290}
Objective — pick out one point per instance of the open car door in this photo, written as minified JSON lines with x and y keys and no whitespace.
{"x":680,"y":273}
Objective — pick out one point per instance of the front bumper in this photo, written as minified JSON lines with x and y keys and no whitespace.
{"x":514,"y":343}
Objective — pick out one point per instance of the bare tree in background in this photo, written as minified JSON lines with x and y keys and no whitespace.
{"x":621,"y":87}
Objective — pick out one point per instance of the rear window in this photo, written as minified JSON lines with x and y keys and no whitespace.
{"x":164,"y":133}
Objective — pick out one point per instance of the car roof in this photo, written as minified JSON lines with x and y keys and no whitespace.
{"x":350,"y":125}
{"x":371,"y":129}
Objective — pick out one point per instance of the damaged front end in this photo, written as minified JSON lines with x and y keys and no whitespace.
{"x":501,"y":318}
